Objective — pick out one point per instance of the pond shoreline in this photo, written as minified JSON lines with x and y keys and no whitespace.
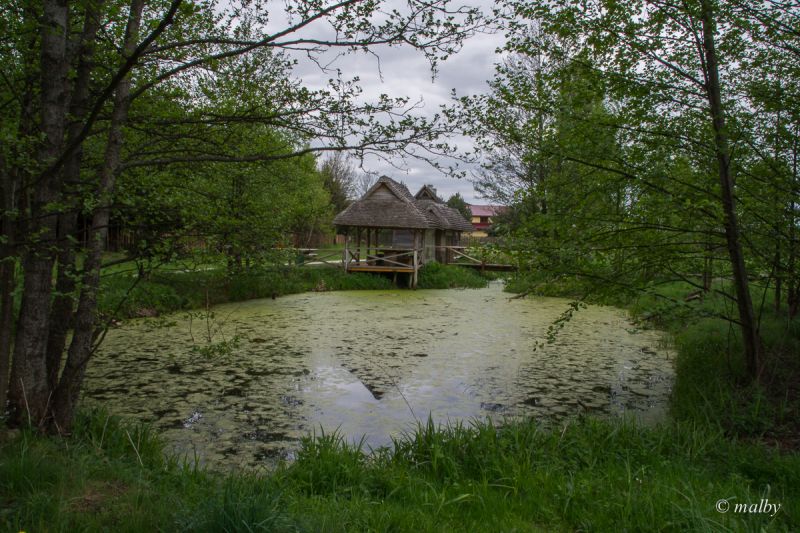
{"x":165,"y":291}
{"x":244,"y":382}
{"x":112,"y":474}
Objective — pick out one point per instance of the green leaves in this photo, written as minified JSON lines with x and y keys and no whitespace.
{"x":598,"y":133}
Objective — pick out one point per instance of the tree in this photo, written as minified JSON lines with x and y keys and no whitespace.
{"x":458,"y":203}
{"x":93,"y":90}
{"x":364,"y":183}
{"x":340,"y":177}
{"x":658,"y":168}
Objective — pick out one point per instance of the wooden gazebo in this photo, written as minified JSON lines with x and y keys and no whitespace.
{"x":389,"y":230}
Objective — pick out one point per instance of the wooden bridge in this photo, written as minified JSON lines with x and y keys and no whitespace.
{"x":399,"y":260}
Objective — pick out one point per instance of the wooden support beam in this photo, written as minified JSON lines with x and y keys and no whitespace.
{"x":345,"y":257}
{"x":415,"y":261}
{"x":369,"y":239}
{"x":416,"y":270}
{"x":358,"y":245}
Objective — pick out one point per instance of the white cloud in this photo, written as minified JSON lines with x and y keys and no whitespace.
{"x":403,"y":71}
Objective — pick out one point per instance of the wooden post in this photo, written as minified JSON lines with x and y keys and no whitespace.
{"x":416,"y":269}
{"x":369,"y":241}
{"x":415,"y":260}
{"x":358,"y":245}
{"x":344,"y":254}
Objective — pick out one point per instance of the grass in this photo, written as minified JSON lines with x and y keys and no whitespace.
{"x":439,"y":276}
{"x":123,"y":295}
{"x":711,"y":387}
{"x":113,"y":476}
{"x":585,"y":474}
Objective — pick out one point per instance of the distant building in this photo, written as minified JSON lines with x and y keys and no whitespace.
{"x":482,"y":218}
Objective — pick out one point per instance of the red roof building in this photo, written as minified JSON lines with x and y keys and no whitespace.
{"x":482,"y":216}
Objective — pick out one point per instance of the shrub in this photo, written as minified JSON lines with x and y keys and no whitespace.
{"x":438,"y":276}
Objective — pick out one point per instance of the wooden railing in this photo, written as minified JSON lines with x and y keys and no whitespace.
{"x":403,"y":258}
{"x":396,"y":257}
{"x":454,"y":255}
{"x":314,"y":255}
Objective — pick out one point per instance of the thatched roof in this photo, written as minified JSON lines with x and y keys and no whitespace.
{"x":389,"y":204}
{"x":428,"y":193}
{"x":449,"y":218}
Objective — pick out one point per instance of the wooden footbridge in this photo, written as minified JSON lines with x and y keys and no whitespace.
{"x":399,"y":260}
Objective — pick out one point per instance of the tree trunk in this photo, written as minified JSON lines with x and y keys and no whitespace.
{"x":792,"y":290}
{"x":81,"y":347}
{"x":776,"y":265}
{"x":29,"y":393}
{"x":6,"y":303}
{"x":749,"y":326}
{"x":7,"y":266}
{"x":778,"y":273}
{"x":63,"y":303}
{"x":13,"y":203}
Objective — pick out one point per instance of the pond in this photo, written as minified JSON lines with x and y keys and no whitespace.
{"x":241,"y":385}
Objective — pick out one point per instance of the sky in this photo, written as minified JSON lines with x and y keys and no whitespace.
{"x":402,"y":71}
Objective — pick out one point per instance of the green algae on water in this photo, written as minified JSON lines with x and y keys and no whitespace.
{"x":371,"y":363}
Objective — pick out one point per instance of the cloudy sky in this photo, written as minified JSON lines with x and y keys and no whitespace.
{"x":402,"y":71}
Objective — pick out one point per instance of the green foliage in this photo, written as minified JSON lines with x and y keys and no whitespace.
{"x":598,"y":132}
{"x":586,"y":473}
{"x":711,"y":386}
{"x":124,"y":296}
{"x":438,"y":276}
{"x":458,"y":203}
{"x":582,"y":474}
{"x":113,"y":475}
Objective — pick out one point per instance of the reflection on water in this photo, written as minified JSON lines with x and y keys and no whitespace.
{"x":368,"y":363}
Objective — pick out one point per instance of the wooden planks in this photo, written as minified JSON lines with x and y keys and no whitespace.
{"x":373,"y":268}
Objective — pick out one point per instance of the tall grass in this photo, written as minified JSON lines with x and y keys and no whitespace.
{"x":439,"y":276}
{"x":584,"y":474}
{"x":124,"y":296}
{"x":111,"y":475}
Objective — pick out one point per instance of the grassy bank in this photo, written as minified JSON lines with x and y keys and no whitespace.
{"x":586,"y":474}
{"x":123,"y":295}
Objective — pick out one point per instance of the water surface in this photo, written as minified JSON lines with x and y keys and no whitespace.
{"x":370,"y":363}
